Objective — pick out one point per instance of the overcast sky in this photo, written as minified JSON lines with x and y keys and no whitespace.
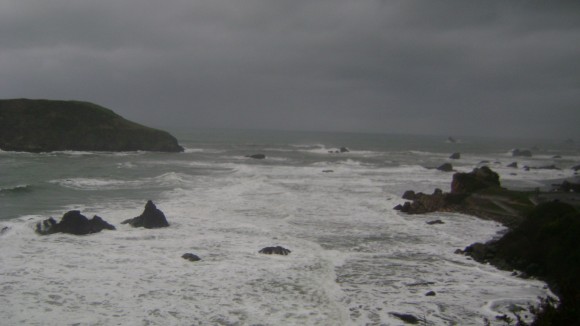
{"x":464,"y":67}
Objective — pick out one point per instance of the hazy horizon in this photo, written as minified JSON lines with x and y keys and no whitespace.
{"x":453,"y":68}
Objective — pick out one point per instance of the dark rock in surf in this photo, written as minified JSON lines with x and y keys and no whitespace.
{"x":275,"y":251}
{"x":430,"y":294}
{"x":257,"y":156}
{"x":435,"y":222}
{"x":445,"y":167}
{"x":455,"y":156}
{"x":344,"y":150}
{"x":407,"y":318}
{"x":451,"y":140}
{"x":513,"y":165}
{"x":4,"y":230}
{"x":409,"y":195}
{"x":191,"y":257}
{"x":327,"y":171}
{"x":525,"y":153}
{"x":576,"y":167}
{"x":151,"y":218}
{"x":73,"y":222}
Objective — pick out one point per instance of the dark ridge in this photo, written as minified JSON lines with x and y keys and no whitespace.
{"x":48,"y":125}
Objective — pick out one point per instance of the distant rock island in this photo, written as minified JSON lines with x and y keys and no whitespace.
{"x":49,"y":125}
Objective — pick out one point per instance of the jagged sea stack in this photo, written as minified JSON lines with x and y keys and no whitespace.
{"x":151,"y":218}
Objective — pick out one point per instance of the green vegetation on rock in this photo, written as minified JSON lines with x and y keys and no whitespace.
{"x":48,"y":125}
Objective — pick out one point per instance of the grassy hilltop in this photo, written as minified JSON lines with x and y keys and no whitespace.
{"x":48,"y":125}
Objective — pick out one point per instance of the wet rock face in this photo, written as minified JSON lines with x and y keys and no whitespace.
{"x":151,"y":218}
{"x":275,"y":251}
{"x":73,"y":222}
{"x":477,"y":179}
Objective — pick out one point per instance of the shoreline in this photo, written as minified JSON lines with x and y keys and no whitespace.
{"x":541,"y":239}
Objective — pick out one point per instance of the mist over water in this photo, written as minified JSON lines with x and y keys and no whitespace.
{"x":354,"y":259}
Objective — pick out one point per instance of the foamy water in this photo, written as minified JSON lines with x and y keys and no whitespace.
{"x":354,"y":260}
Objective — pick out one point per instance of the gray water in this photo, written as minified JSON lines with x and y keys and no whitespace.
{"x":354,"y":260}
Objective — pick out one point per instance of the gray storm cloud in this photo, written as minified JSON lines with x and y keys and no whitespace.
{"x":507,"y":68}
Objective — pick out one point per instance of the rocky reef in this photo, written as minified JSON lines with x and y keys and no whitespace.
{"x":48,"y":125}
{"x":73,"y":222}
{"x":477,"y":193}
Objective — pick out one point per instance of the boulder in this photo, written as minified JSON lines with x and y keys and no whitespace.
{"x":151,"y":218}
{"x":73,"y":222}
{"x":435,"y":222}
{"x":576,"y":167}
{"x":430,"y":294}
{"x":275,"y":251}
{"x":344,"y":150}
{"x":455,"y":156}
{"x":190,"y":257}
{"x":445,"y":167}
{"x":257,"y":156}
{"x":409,"y":195}
{"x":513,"y":165}
{"x":477,"y":179}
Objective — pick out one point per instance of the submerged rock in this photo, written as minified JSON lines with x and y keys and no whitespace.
{"x":73,"y":222}
{"x":513,"y":165}
{"x":275,"y":251}
{"x":151,"y":218}
{"x":455,"y":156}
{"x":257,"y":156}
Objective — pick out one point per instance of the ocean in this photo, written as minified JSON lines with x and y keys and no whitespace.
{"x":354,"y":260}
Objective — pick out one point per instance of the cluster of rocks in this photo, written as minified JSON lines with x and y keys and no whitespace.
{"x":73,"y":222}
{"x":462,"y":185}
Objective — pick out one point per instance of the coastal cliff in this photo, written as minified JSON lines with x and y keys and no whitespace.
{"x":48,"y":125}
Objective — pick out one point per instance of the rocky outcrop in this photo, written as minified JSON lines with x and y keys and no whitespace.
{"x":475,"y":193}
{"x":46,"y":125}
{"x":151,"y":218}
{"x":513,"y":165}
{"x":545,"y":245}
{"x":275,"y":251}
{"x":477,"y":179}
{"x":73,"y":222}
